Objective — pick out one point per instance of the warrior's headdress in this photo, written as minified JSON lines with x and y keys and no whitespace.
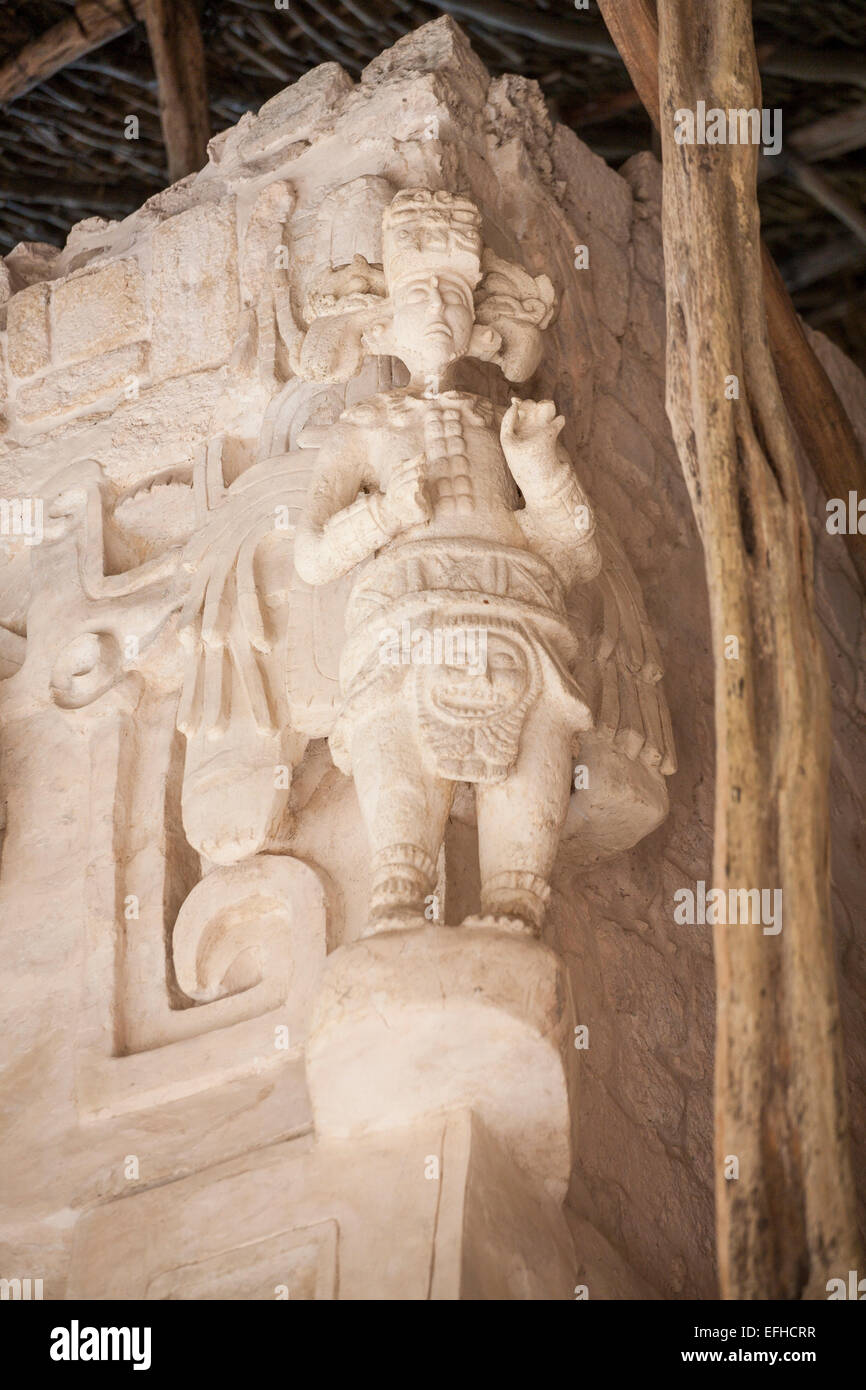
{"x":422,"y":226}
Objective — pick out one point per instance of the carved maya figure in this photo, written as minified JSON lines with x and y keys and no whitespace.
{"x":457,"y":530}
{"x":423,"y":480}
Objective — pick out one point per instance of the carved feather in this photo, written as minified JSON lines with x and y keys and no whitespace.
{"x":621,"y":660}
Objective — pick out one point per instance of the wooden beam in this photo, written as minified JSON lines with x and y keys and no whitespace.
{"x":174,"y":35}
{"x":831,"y":136}
{"x":786,"y":1213}
{"x":819,"y":417}
{"x":633,"y":26}
{"x":827,"y":138}
{"x":83,"y":198}
{"x":565,"y":35}
{"x":92,"y":23}
{"x":836,"y":65}
{"x":809,"y":267}
{"x":786,"y":1219}
{"x":822,"y":189}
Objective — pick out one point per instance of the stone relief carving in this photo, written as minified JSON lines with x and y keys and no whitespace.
{"x":491,"y":626}
{"x":377,"y":620}
{"x":424,"y":478}
{"x":410,"y":569}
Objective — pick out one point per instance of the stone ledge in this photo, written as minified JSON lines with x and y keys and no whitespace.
{"x":414,"y":1022}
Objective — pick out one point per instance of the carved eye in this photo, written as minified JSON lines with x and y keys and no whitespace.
{"x":417,"y":295}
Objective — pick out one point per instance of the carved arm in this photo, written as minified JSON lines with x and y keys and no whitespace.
{"x":342,"y":524}
{"x":558,"y":520}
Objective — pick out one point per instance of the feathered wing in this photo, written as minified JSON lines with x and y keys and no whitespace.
{"x":260,"y":675}
{"x":250,"y":618}
{"x":624,"y":759}
{"x":621,"y":666}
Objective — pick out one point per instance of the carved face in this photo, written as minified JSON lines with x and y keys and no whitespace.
{"x":433,"y":318}
{"x":469,"y":695}
{"x":469,"y":719}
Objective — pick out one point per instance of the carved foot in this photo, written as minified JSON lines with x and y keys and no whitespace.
{"x":516,"y":895}
{"x":395,"y":921}
{"x":516,"y":925}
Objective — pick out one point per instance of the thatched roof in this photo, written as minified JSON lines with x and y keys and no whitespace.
{"x":63,"y":155}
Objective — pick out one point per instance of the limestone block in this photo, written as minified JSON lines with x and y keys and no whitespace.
{"x":646,"y":314}
{"x":440,"y":47}
{"x":434,"y":1211}
{"x":609,"y":273}
{"x":516,"y":109}
{"x":74,"y":387}
{"x":27,"y":327}
{"x":643,"y":173}
{"x":99,"y":311}
{"x":194,"y":290}
{"x":293,"y":114}
{"x":283,"y":127}
{"x":483,"y":1018}
{"x":648,"y":256}
{"x":595,"y":194}
{"x":169,"y":419}
{"x":621,"y":445}
{"x":32,"y":261}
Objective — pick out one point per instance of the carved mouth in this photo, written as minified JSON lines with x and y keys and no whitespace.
{"x":469,"y":705}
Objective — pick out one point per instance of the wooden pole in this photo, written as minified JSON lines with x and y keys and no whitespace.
{"x":818,"y":415}
{"x":174,"y":35}
{"x":92,"y":23}
{"x":784,"y":1189}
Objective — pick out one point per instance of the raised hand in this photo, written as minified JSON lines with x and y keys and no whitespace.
{"x":529,"y":431}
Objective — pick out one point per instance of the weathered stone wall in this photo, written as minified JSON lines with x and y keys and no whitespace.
{"x":142,"y":340}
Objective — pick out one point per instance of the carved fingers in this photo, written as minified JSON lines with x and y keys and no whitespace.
{"x":406,"y":502}
{"x":529,"y":431}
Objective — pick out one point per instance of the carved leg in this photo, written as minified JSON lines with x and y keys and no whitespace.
{"x":520,"y":822}
{"x":404,"y":810}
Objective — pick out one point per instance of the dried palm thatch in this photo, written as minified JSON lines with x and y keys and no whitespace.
{"x":64,"y":155}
